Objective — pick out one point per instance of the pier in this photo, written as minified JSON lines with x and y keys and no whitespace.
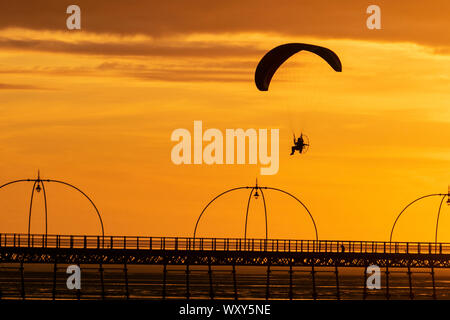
{"x":310,"y":258}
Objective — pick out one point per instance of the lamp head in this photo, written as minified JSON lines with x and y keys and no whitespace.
{"x":448,"y":196}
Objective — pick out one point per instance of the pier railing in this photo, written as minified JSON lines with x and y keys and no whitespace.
{"x":218,"y":244}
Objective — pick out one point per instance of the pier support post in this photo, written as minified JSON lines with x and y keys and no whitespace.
{"x":164,"y":280}
{"x":433,"y":283}
{"x":187,"y":281}
{"x":388,"y":295}
{"x":411,"y":294}
{"x":336,"y":271}
{"x":211,"y":289}
{"x":291,"y":291}
{"x":125,"y":271}
{"x":268,"y":282}
{"x":234,"y":281}
{"x":365,"y":283}
{"x":78,"y":291}
{"x":102,"y":282}
{"x":55,"y":269}
{"x":22,"y":281}
{"x":313,"y":275}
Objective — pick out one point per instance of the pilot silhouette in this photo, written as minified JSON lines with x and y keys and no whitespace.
{"x":299,"y":144}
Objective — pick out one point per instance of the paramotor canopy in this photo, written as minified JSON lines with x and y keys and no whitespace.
{"x":277,"y":56}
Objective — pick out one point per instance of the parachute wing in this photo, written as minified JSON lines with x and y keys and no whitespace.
{"x":273,"y":59}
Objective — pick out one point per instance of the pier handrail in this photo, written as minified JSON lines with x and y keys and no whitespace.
{"x":88,"y":242}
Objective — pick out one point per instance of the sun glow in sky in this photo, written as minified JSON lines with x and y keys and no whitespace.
{"x":97,"y":107}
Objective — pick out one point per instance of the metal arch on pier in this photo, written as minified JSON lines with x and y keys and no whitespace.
{"x":45,"y":206}
{"x":437,"y":219}
{"x":31,"y":207}
{"x":304,"y":206}
{"x":40,"y":182}
{"x":209,"y":203}
{"x":412,"y":202}
{"x":248,"y":206}
{"x":36,"y":181}
{"x":246,"y":214}
{"x":86,"y":196}
{"x":265,"y":212}
{"x":253,"y":188}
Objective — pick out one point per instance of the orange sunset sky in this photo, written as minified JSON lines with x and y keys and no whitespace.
{"x":96,"y":107}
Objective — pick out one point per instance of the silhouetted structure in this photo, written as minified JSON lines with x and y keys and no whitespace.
{"x":443,"y":195}
{"x":256,"y":195}
{"x":209,"y":252}
{"x":38,"y":185}
{"x":307,"y":260}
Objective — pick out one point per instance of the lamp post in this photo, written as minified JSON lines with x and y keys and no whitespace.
{"x":38,"y":185}
{"x":443,"y":195}
{"x":256,"y":195}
